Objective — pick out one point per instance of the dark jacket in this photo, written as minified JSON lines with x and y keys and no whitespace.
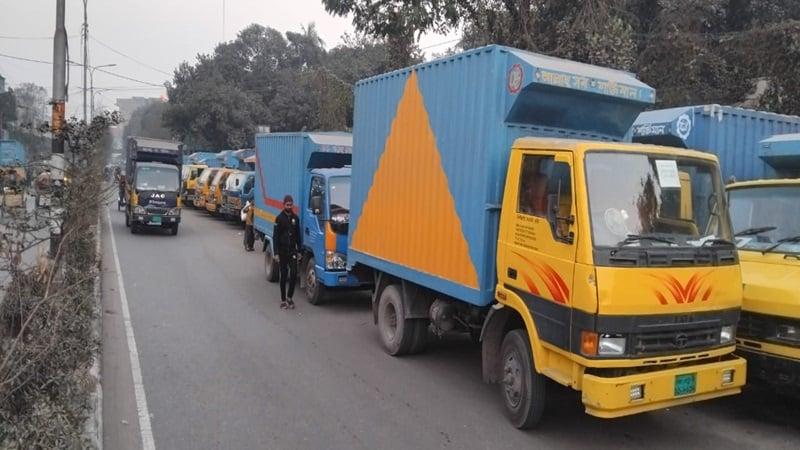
{"x":286,"y":236}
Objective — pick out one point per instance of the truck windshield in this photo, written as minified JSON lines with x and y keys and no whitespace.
{"x":203,"y":179}
{"x":340,"y":195}
{"x":157,"y":179}
{"x":655,"y":201}
{"x":230,"y":184}
{"x":764,"y":215}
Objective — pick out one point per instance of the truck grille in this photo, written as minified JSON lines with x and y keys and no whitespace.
{"x":156,"y":210}
{"x":655,"y":343}
{"x":753,"y":326}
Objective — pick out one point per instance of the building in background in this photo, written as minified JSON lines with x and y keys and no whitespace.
{"x":128,"y":105}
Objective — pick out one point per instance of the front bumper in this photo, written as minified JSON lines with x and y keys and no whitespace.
{"x":772,"y":369}
{"x":229,"y":210}
{"x":338,"y":278}
{"x":610,"y":397}
{"x":156,"y":220}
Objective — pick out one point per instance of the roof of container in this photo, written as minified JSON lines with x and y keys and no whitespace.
{"x":156,"y":143}
{"x":793,"y":137}
{"x":332,"y":138}
{"x":545,"y":63}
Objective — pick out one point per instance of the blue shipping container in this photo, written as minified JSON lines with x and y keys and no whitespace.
{"x":431,"y":145}
{"x":12,"y":153}
{"x":733,"y":134}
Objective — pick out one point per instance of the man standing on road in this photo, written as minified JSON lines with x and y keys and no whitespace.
{"x":286,"y":239}
{"x":249,"y":236}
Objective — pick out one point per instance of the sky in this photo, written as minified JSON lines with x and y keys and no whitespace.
{"x":157,"y":33}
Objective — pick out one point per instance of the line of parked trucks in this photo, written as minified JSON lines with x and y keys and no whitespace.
{"x":528,"y":202}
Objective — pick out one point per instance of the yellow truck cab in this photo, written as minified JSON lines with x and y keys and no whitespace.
{"x":216,"y":186}
{"x":766,"y":221}
{"x":202,"y":186}
{"x":189,"y":178}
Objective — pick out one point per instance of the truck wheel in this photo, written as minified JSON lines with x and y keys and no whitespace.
{"x":522,"y":389}
{"x":315,"y":291}
{"x":270,"y":267}
{"x":400,"y":336}
{"x":127,"y":219}
{"x":134,"y":228}
{"x":173,"y":229}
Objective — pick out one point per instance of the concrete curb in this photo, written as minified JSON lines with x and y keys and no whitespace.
{"x":93,"y":429}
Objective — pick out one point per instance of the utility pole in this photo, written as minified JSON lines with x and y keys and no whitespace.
{"x":85,"y":39}
{"x":59,"y":109}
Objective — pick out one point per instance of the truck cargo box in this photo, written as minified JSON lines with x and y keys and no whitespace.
{"x":431,"y":145}
{"x":153,"y":150}
{"x":782,"y":153}
{"x":733,"y":134}
{"x":282,"y":160}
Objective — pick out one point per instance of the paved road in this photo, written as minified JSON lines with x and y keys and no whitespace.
{"x":223,"y":367}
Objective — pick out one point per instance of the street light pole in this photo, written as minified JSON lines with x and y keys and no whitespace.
{"x":91,"y":82}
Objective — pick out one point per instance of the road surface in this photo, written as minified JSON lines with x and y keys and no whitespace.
{"x":223,"y":367}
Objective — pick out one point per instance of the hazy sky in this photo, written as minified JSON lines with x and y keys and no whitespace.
{"x":159,"y":33}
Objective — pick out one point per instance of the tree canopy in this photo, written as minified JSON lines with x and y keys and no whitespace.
{"x":691,"y":51}
{"x":264,"y":78}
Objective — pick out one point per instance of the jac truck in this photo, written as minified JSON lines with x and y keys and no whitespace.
{"x":314,"y":168}
{"x":491,"y":195}
{"x":153,"y":184}
{"x":766,"y":222}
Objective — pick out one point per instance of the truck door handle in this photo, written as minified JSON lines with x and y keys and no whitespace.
{"x":307,"y":232}
{"x":512,"y":273}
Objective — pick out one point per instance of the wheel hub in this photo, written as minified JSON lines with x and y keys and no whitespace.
{"x":512,"y":380}
{"x":390,"y":318}
{"x":311,"y":281}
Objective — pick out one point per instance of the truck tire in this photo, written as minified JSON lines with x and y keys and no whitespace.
{"x":134,"y":228}
{"x":173,"y":230}
{"x":399,"y":336}
{"x":522,"y":388}
{"x":127,"y":219}
{"x":315,"y":291}
{"x":270,"y":267}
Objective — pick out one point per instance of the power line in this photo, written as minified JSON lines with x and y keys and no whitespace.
{"x":130,"y":57}
{"x":72,"y":63}
{"x":33,"y":38}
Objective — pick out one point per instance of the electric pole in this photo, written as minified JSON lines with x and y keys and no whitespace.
{"x":59,"y":109}
{"x":85,"y":39}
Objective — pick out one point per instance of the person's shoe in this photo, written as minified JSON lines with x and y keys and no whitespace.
{"x":291,"y":304}
{"x":284,"y":305}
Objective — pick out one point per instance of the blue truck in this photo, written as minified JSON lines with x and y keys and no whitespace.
{"x":314,"y":168}
{"x":733,"y":134}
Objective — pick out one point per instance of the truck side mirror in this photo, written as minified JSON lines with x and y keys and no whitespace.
{"x":316,"y":204}
{"x":237,"y":182}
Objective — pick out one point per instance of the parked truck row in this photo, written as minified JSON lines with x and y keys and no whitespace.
{"x":531,"y":203}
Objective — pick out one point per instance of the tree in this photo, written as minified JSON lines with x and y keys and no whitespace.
{"x":32,"y":101}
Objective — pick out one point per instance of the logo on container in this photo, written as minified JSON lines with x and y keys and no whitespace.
{"x":515,"y":76}
{"x":684,"y":126}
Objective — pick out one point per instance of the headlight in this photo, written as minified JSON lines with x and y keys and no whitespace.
{"x":727,"y":334}
{"x":174,"y":212}
{"x":335,"y":261}
{"x":139,"y":210}
{"x":611,"y":345}
{"x":788,"y":333}
{"x":340,"y":218}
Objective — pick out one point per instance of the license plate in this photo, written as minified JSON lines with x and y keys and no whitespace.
{"x":685,"y":384}
{"x":155,"y":220}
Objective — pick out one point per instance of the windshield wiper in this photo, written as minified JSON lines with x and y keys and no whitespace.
{"x":779,"y":242}
{"x":718,"y":241}
{"x":639,"y":237}
{"x":754,"y":231}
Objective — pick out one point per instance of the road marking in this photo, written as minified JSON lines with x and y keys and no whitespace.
{"x":138,"y":386}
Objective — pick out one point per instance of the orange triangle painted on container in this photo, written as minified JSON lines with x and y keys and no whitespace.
{"x":409,"y":217}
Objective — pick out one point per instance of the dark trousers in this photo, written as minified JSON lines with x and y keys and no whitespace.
{"x":288,"y":272}
{"x":249,"y":236}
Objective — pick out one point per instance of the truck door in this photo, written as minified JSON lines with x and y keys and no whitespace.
{"x":540,"y":255}
{"x":314,"y":212}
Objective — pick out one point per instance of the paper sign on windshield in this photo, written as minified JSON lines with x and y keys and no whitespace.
{"x":668,"y":174}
